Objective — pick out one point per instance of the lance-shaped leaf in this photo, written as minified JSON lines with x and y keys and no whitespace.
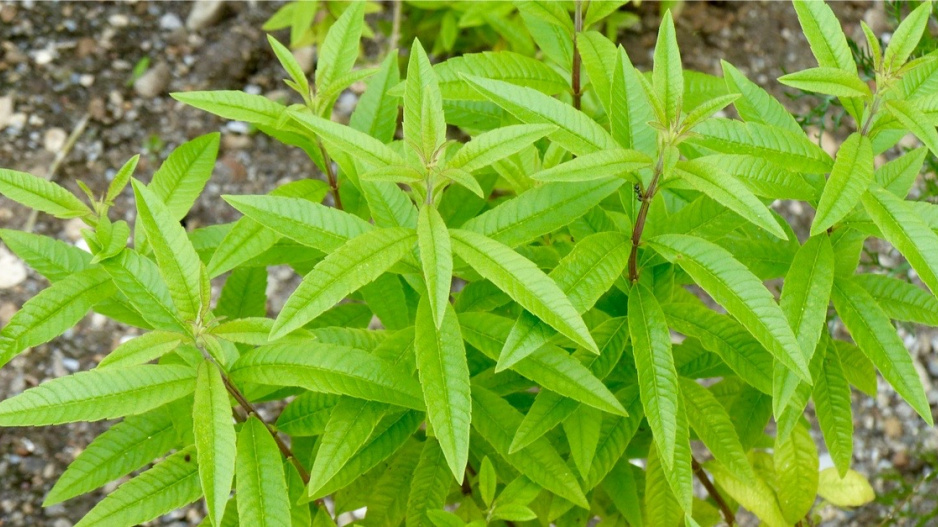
{"x":97,"y":394}
{"x":735,"y":288}
{"x":796,"y":466}
{"x":54,"y":310}
{"x":708,"y":179}
{"x":354,"y":264}
{"x":657,"y":377}
{"x":898,"y":176}
{"x":424,"y":124}
{"x":387,"y":501}
{"x":849,"y":179}
{"x":330,"y":369}
{"x":444,"y":377}
{"x":53,"y":259}
{"x":182,"y":177}
{"x":214,"y":439}
{"x":787,"y":149}
{"x":171,"y":484}
{"x":359,"y":144}
{"x":489,"y":147}
{"x":915,"y":122}
{"x":339,"y":49}
{"x":540,"y":210}
{"x":629,"y":110}
{"x":877,"y":338}
{"x":350,"y":424}
{"x":904,"y":40}
{"x":755,"y":104}
{"x":524,"y":282}
{"x":582,"y":430}
{"x":829,"y":81}
{"x":40,"y":194}
{"x":139,"y":279}
{"x":376,"y":111}
{"x":617,"y":162}
{"x":661,"y":507}
{"x":712,"y":425}
{"x":852,"y":490}
{"x":120,"y":450}
{"x":261,"y":485}
{"x":178,"y":262}
{"x":235,"y":105}
{"x":804,"y":301}
{"x":507,"y":66}
{"x":464,"y":179}
{"x":668,"y":75}
{"x":757,"y":497}
{"x":832,"y":406}
{"x":429,"y":486}
{"x":706,"y":110}
{"x":906,"y":230}
{"x":576,"y":131}
{"x":298,"y":80}
{"x":901,"y":300}
{"x":496,"y":421}
{"x":144,"y":348}
{"x":312,"y":224}
{"x":308,"y":414}
{"x":436,"y":257}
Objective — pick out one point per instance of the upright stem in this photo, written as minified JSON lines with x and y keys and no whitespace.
{"x":577,"y":28}
{"x":396,"y":25}
{"x":639,"y":226}
{"x":331,"y":176}
{"x":728,"y":515}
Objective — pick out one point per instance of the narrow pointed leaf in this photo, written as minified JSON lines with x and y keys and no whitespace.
{"x":350,"y":424}
{"x":712,"y":425}
{"x":905,"y":39}
{"x":261,"y":484}
{"x":429,"y":486}
{"x":849,"y":179}
{"x":489,"y":147}
{"x":603,"y":164}
{"x":40,"y":194}
{"x":913,"y":120}
{"x":832,"y":406}
{"x":668,"y":75}
{"x":436,"y":257}
{"x":182,"y":177}
{"x":349,"y":140}
{"x":788,"y":149}
{"x":214,"y":439}
{"x":424,"y":124}
{"x":828,"y":81}
{"x":339,"y":49}
{"x":796,"y":466}
{"x":139,"y":279}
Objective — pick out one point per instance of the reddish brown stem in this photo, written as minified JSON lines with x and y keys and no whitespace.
{"x":577,"y":28}
{"x":639,"y":226}
{"x":331,"y":176}
{"x":712,"y":491}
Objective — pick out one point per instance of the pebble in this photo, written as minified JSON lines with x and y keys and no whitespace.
{"x":73,"y":229}
{"x":54,"y":139}
{"x":154,"y":82}
{"x":305,"y":57}
{"x":170,"y":22}
{"x":12,"y":270}
{"x":86,"y":80}
{"x":205,"y":13}
{"x":6,"y":110}
{"x":118,"y":20}
{"x":43,"y":57}
{"x":7,"y":310}
{"x":892,"y":427}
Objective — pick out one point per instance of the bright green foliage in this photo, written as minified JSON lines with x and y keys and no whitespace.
{"x":508,"y":297}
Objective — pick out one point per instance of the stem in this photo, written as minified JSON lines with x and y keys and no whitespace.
{"x":712,"y":491}
{"x":639,"y":226}
{"x":396,"y":25}
{"x":869,"y":118}
{"x":57,"y":162}
{"x":577,"y":28}
{"x":330,"y":175}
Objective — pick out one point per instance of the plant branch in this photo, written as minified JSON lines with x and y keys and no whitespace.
{"x":331,"y":176}
{"x":712,"y":491}
{"x":577,"y":28}
{"x":639,"y":226}
{"x":396,"y":26}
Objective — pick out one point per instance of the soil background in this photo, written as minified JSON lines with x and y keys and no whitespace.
{"x":60,"y":62}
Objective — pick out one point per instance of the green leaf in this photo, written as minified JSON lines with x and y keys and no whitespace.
{"x":292,"y":67}
{"x":182,"y":177}
{"x":387,"y":502}
{"x":307,"y":415}
{"x":121,"y":179}
{"x":916,"y":122}
{"x":496,"y":421}
{"x":852,"y":490}
{"x":735,"y":288}
{"x":540,"y":210}
{"x":657,"y":378}
{"x":330,"y":369}
{"x":489,"y":147}
{"x":596,"y":52}
{"x":436,"y":257}
{"x":756,"y":497}
{"x":171,"y":484}
{"x":629,"y":109}
{"x":348,"y":140}
{"x":142,"y":349}
{"x":829,"y":81}
{"x":351,"y":266}
{"x":901,"y":300}
{"x":120,"y":450}
{"x":465,"y":179}
{"x":235,"y":105}
{"x":582,"y":430}
{"x":661,"y":507}
{"x":832,"y":406}
{"x":898,"y":176}
{"x":787,"y":149}
{"x":488,"y":481}
{"x":97,"y":394}
{"x":214,"y":439}
{"x":576,"y":131}
{"x":54,"y":310}
{"x":350,"y":424}
{"x":260,"y":484}
{"x":138,"y":278}
{"x":617,"y":162}
{"x":53,"y":259}
{"x":444,"y":377}
{"x":796,"y":467}
{"x":906,"y":37}
{"x":339,"y":49}
{"x":41,"y":194}
{"x":905,"y":230}
{"x":524,"y":282}
{"x":506,"y":66}
{"x":706,"y":110}
{"x":424,"y":124}
{"x":849,"y":179}
{"x":178,"y":262}
{"x":876,"y":336}
{"x":668,"y":75}
{"x":244,"y":294}
{"x":712,"y":425}
{"x":376,"y":111}
{"x":755,"y":104}
{"x":429,"y":486}
{"x":826,"y":38}
{"x":711,"y":181}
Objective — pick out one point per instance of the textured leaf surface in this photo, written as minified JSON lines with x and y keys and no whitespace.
{"x":712,"y":425}
{"x":436,"y":257}
{"x":214,"y":439}
{"x":139,"y":279}
{"x":489,"y":147}
{"x":829,"y":81}
{"x":350,"y":424}
{"x":182,"y":177}
{"x":429,"y":486}
{"x":261,"y":484}
{"x":757,"y":497}
{"x":901,"y":300}
{"x":832,"y":406}
{"x":339,"y":49}
{"x":668,"y":75}
{"x":598,"y":165}
{"x":852,"y":490}
{"x":506,"y":66}
{"x":796,"y":466}
{"x":41,"y":194}
{"x":788,"y":149}
{"x":235,"y":105}
{"x":849,"y":179}
{"x":349,"y":140}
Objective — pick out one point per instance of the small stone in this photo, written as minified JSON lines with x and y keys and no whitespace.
{"x":170,"y":22}
{"x":73,"y":228}
{"x":6,"y":111}
{"x":86,"y":80}
{"x":154,"y":82}
{"x":118,"y":20}
{"x":892,"y":427}
{"x":7,"y":310}
{"x":70,"y":364}
{"x":12,"y":270}
{"x":43,"y":57}
{"x":236,"y":142}
{"x":7,"y":12}
{"x":305,"y":57}
{"x":62,"y":522}
{"x":900,"y":459}
{"x":204,"y":14}
{"x":238,"y":127}
{"x":54,"y":139}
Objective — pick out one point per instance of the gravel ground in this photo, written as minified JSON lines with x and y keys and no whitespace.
{"x":61,"y":61}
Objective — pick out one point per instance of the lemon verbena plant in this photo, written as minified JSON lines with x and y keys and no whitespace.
{"x":531,"y":294}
